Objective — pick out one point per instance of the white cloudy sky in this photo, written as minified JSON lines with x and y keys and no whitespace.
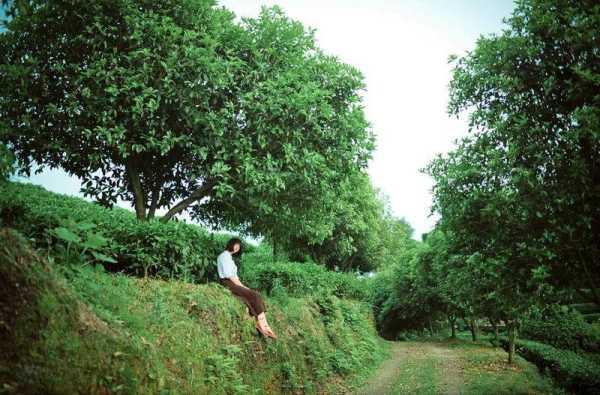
{"x":401,"y":47}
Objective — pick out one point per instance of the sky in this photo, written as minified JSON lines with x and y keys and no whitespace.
{"x":402,"y":48}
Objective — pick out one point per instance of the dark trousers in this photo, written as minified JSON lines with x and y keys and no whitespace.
{"x":251,"y":298}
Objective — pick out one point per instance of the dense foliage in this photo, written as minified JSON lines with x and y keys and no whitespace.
{"x":525,"y":186}
{"x":300,"y":278}
{"x":562,"y":328}
{"x":69,"y":328}
{"x":366,"y":234}
{"x":176,"y":105}
{"x":168,"y":250}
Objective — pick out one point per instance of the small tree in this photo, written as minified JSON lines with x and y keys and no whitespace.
{"x":498,"y":262}
{"x":355,"y":237}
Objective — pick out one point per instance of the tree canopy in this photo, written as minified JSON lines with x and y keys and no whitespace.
{"x":519,"y":197}
{"x":176,"y":105}
{"x":532,"y":166}
{"x":364,"y":235}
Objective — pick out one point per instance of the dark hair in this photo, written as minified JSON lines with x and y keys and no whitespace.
{"x":233,"y":241}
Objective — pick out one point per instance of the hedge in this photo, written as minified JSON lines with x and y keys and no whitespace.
{"x":300,"y":278}
{"x":571,"y":371}
{"x":169,"y":250}
{"x":561,"y":327}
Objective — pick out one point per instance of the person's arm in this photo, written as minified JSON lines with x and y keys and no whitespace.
{"x":230,"y":271}
{"x":236,"y":281}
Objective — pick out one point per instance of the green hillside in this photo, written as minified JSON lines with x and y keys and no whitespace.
{"x":78,"y":329}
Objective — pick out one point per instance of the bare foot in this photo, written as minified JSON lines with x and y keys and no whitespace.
{"x":266,"y":331}
{"x":263,"y":326}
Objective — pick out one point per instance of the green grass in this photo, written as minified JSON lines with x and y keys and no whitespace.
{"x":486,"y":371}
{"x":431,"y":366}
{"x":418,"y":377}
{"x":83,"y":330}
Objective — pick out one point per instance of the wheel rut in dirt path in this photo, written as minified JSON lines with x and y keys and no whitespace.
{"x":455,"y":366}
{"x":410,"y":357}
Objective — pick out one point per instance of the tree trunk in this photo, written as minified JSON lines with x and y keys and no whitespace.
{"x":154,"y":203}
{"x":348,"y":262}
{"x":430,"y":326}
{"x":495,"y":326}
{"x":473,"y":328}
{"x":185,"y":203}
{"x":136,"y":187}
{"x":511,"y":342}
{"x":590,"y":279}
{"x":452,"y":322}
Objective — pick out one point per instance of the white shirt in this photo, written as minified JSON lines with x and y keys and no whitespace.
{"x":225,"y":265}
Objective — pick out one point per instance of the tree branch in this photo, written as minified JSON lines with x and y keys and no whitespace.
{"x":154,"y":203}
{"x":136,"y":186}
{"x":185,"y":203}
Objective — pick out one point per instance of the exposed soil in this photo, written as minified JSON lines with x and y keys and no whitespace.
{"x":446,"y":359}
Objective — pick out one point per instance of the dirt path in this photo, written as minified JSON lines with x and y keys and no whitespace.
{"x":452,"y":367}
{"x":410,"y":360}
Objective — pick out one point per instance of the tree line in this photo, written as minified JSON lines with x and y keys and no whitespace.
{"x":519,"y":197}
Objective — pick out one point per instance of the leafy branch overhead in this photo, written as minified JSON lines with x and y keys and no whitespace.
{"x":175,"y":105}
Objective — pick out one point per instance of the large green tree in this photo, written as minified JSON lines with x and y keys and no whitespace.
{"x":534,"y":103}
{"x":175,"y":105}
{"x":520,"y":196}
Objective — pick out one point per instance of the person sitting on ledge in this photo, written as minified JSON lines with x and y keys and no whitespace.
{"x":228,"y":278}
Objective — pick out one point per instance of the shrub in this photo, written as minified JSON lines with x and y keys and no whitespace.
{"x":169,"y":250}
{"x":300,"y":278}
{"x":572,"y":371}
{"x":561,"y":327}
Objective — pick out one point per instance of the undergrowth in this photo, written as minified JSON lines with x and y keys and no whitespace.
{"x":80,"y":329}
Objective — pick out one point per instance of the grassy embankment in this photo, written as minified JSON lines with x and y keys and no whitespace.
{"x":72,"y":328}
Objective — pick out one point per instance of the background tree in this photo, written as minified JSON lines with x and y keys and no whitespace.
{"x":446,"y":282}
{"x":354,"y":241}
{"x":7,"y":163}
{"x":177,"y":106}
{"x":533,"y":96}
{"x":494,"y":256}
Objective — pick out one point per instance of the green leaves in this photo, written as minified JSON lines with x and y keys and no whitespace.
{"x":95,"y":241}
{"x":66,"y":235}
{"x":81,"y":237}
{"x":515,"y":197}
{"x":101,"y":257}
{"x":159,"y":98}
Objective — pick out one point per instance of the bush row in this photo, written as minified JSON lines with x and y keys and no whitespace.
{"x":561,"y":327}
{"x":571,"y":370}
{"x":171,"y":250}
{"x":175,"y":249}
{"x":300,"y":278}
